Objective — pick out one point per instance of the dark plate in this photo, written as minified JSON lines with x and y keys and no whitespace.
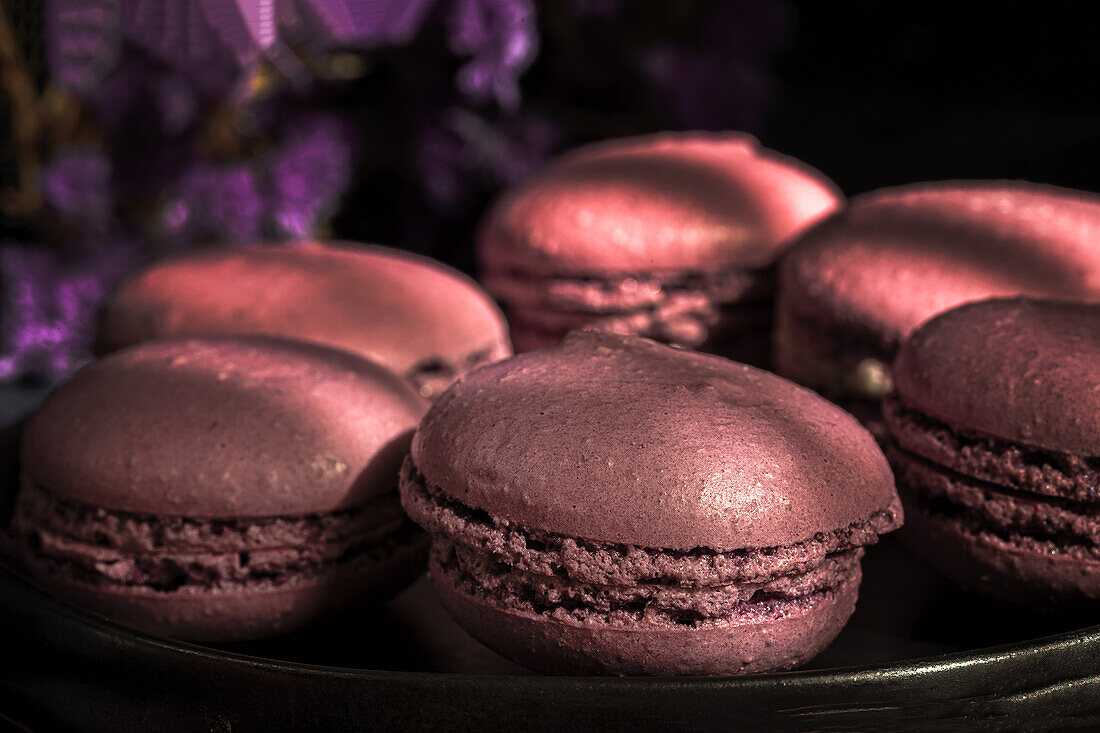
{"x":916,"y":654}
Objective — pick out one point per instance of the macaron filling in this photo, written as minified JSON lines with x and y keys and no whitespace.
{"x":1000,"y":462}
{"x":1027,"y":496}
{"x":491,"y":581}
{"x":686,"y":309}
{"x":844,"y":363}
{"x":510,"y":566}
{"x":123,"y":549}
{"x":431,"y":376}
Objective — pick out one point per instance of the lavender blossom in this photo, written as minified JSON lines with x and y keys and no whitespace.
{"x":47,"y":313}
{"x":466,"y":146}
{"x":501,"y":38}
{"x":212,"y":202}
{"x":308,"y":174}
{"x":84,"y":39}
{"x":364,"y":24}
{"x":76,"y":183}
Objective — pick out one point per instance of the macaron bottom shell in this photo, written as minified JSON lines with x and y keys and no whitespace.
{"x":782,"y":638}
{"x":241,"y":612}
{"x":993,"y":546}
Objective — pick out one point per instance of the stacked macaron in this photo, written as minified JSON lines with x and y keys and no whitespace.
{"x":671,"y":236}
{"x":853,"y":287}
{"x":995,"y":439}
{"x":219,"y":489}
{"x":612,"y":505}
{"x":410,"y":314}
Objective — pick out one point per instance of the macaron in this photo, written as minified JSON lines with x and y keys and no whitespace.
{"x":995,"y":440}
{"x":219,"y":489}
{"x":856,"y":285}
{"x":412,"y":315}
{"x":671,"y":236}
{"x":611,"y":505}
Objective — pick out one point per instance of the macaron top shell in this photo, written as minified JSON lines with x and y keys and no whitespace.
{"x":1017,"y":369}
{"x":895,"y":258}
{"x":695,"y":201}
{"x":395,"y":308}
{"x":211,"y":428}
{"x":618,"y":439}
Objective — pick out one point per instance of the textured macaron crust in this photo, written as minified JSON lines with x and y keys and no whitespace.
{"x":995,"y":440}
{"x":219,"y":489}
{"x":854,"y":286}
{"x":414,"y":316}
{"x":617,"y":506}
{"x":656,"y":236}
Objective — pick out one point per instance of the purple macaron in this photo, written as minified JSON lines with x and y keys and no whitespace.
{"x":611,"y":505}
{"x":219,"y":489}
{"x":414,"y":316}
{"x":669,"y":236}
{"x":995,"y":440}
{"x":856,"y":285}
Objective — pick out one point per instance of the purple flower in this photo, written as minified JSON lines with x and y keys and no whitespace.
{"x":76,"y":183}
{"x":47,"y":312}
{"x":212,"y":202}
{"x":464,"y":148}
{"x":83,"y":41}
{"x":501,"y":38}
{"x":365,"y":22}
{"x":309,"y":173}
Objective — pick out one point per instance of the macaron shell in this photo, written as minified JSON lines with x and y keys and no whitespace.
{"x":215,"y":428}
{"x":392,"y":307}
{"x":1020,"y":370}
{"x":618,"y":439}
{"x":671,"y":201}
{"x":216,"y":615}
{"x":895,"y":258}
{"x":555,"y":647}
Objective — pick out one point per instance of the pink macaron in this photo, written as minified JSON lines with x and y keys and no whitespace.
{"x":415,"y":316}
{"x":995,"y":438}
{"x":611,"y":505}
{"x":856,"y":285}
{"x":219,"y":489}
{"x":670,"y":236}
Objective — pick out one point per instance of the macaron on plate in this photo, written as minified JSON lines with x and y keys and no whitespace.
{"x":916,"y":649}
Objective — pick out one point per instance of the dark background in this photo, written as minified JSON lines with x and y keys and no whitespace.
{"x":877,"y":94}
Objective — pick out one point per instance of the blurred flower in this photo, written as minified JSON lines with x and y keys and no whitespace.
{"x":370,"y":23}
{"x":84,"y":40}
{"x":215,"y":202}
{"x":308,"y":174}
{"x":47,"y":312}
{"x":501,"y":37}
{"x":465,"y":146}
{"x":76,"y":183}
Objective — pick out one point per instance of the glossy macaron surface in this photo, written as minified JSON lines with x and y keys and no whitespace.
{"x":684,"y":201}
{"x":414,"y":316}
{"x":253,"y":427}
{"x":1024,"y":371}
{"x":623,"y":440}
{"x":895,"y":258}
